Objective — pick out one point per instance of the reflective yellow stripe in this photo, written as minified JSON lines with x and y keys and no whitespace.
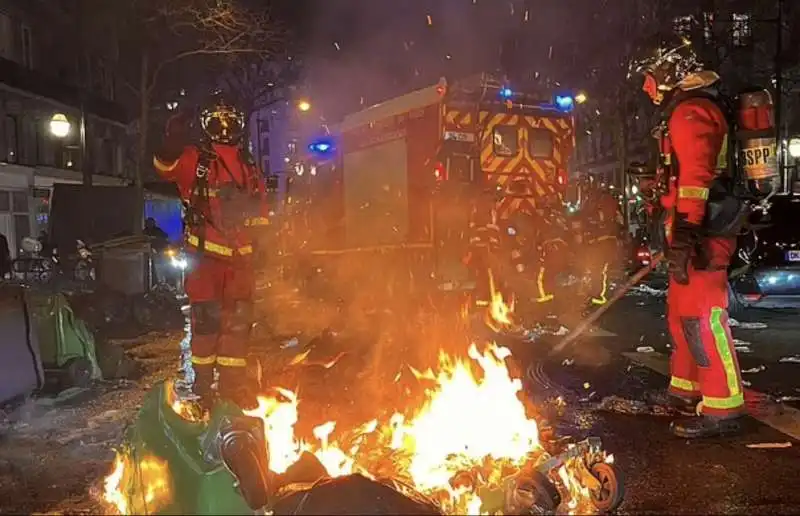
{"x":257,"y":221}
{"x":601,"y":299}
{"x":163,"y":166}
{"x":693,"y":192}
{"x":731,"y":402}
{"x":212,"y":192}
{"x":722,"y":157}
{"x":543,"y":295}
{"x":724,"y":349}
{"x":684,"y":384}
{"x":231,"y":362}
{"x":209,"y":360}
{"x":217,"y":248}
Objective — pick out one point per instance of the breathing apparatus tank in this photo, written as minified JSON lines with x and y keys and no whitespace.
{"x":758,"y":158}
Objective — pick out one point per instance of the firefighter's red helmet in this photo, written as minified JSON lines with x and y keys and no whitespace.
{"x":222,"y":121}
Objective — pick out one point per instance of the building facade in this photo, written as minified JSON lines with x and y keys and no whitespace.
{"x":44,"y":72}
{"x":736,"y":37}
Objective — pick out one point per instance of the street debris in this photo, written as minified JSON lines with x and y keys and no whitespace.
{"x":645,"y":349}
{"x":742,"y":346}
{"x":753,"y":370}
{"x":621,"y":405}
{"x":784,"y":399}
{"x":746,"y":383}
{"x":746,"y":325}
{"x":567,"y":362}
{"x":645,"y":290}
{"x":769,"y":446}
{"x":795,"y":359}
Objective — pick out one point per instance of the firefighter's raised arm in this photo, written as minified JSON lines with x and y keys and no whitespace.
{"x":167,"y":160}
{"x":698,"y":131}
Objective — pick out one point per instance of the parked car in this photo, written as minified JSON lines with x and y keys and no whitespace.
{"x":766,"y":270}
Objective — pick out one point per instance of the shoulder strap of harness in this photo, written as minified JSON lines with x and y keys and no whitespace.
{"x":199,"y":214}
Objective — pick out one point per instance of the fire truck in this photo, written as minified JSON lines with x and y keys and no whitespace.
{"x":406,"y":177}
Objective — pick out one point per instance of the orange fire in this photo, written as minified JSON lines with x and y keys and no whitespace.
{"x":467,"y":439}
{"x":499,"y":314}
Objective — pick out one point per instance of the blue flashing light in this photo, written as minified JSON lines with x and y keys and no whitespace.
{"x":565,"y":103}
{"x":506,"y":93}
{"x":321,"y":147}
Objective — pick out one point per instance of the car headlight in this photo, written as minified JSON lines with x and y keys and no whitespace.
{"x":179,"y":263}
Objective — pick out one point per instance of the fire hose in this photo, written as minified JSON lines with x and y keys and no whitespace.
{"x":620,"y":292}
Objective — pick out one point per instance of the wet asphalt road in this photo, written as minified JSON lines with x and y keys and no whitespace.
{"x":665,"y":474}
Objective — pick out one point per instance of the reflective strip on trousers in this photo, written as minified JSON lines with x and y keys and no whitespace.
{"x":256,"y":221}
{"x":601,"y":299}
{"x":209,"y":360}
{"x":684,"y":384}
{"x":723,"y":345}
{"x":231,"y":362}
{"x":543,"y":295}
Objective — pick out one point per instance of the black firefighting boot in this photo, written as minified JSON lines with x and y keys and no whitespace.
{"x":202,"y":390}
{"x":703,"y":427}
{"x":235,"y":387}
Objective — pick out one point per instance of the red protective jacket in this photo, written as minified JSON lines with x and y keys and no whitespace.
{"x":234,"y":206}
{"x":698,"y":134}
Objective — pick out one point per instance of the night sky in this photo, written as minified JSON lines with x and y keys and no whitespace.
{"x":359,"y":52}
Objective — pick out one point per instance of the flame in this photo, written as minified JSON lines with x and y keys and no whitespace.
{"x":471,"y":433}
{"x":149,"y":473}
{"x":499,"y":313}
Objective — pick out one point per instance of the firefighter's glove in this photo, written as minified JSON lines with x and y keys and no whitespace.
{"x":685,"y":237}
{"x":176,"y":136}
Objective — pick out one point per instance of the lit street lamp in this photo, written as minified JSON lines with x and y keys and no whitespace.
{"x":60,"y":127}
{"x":304,"y":105}
{"x":794,"y":148}
{"x":581,"y":97}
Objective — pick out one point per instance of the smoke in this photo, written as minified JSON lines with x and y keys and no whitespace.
{"x":363,"y":52}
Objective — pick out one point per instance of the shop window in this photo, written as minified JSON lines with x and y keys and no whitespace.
{"x":19,"y":202}
{"x":11,"y":139}
{"x":22,"y":228}
{"x":740,"y":31}
{"x":5,"y":201}
{"x":540,"y":143}
{"x":506,"y":141}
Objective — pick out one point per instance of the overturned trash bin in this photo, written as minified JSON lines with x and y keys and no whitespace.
{"x":67,"y":346}
{"x":20,"y":364}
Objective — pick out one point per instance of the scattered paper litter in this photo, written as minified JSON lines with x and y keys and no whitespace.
{"x":755,"y":369}
{"x":563,"y":330}
{"x":793,"y":359}
{"x":567,"y":362}
{"x":746,"y":325}
{"x":645,"y":349}
{"x":767,"y":446}
{"x":645,"y":290}
{"x":784,"y":399}
{"x":742,"y":346}
{"x":746,"y":383}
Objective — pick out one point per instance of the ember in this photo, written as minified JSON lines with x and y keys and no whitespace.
{"x":470,"y":446}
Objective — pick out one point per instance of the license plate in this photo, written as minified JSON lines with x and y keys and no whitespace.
{"x":793,"y":256}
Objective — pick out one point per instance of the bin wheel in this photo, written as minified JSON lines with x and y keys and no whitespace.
{"x":609,"y":496}
{"x":77,"y":373}
{"x":534,"y":495}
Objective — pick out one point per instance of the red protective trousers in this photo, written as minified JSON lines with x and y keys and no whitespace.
{"x":221,"y":295}
{"x":704,"y":363}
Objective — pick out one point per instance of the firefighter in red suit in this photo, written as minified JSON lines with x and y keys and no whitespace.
{"x":693,"y":144}
{"x":603,"y":222}
{"x":225,"y":195}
